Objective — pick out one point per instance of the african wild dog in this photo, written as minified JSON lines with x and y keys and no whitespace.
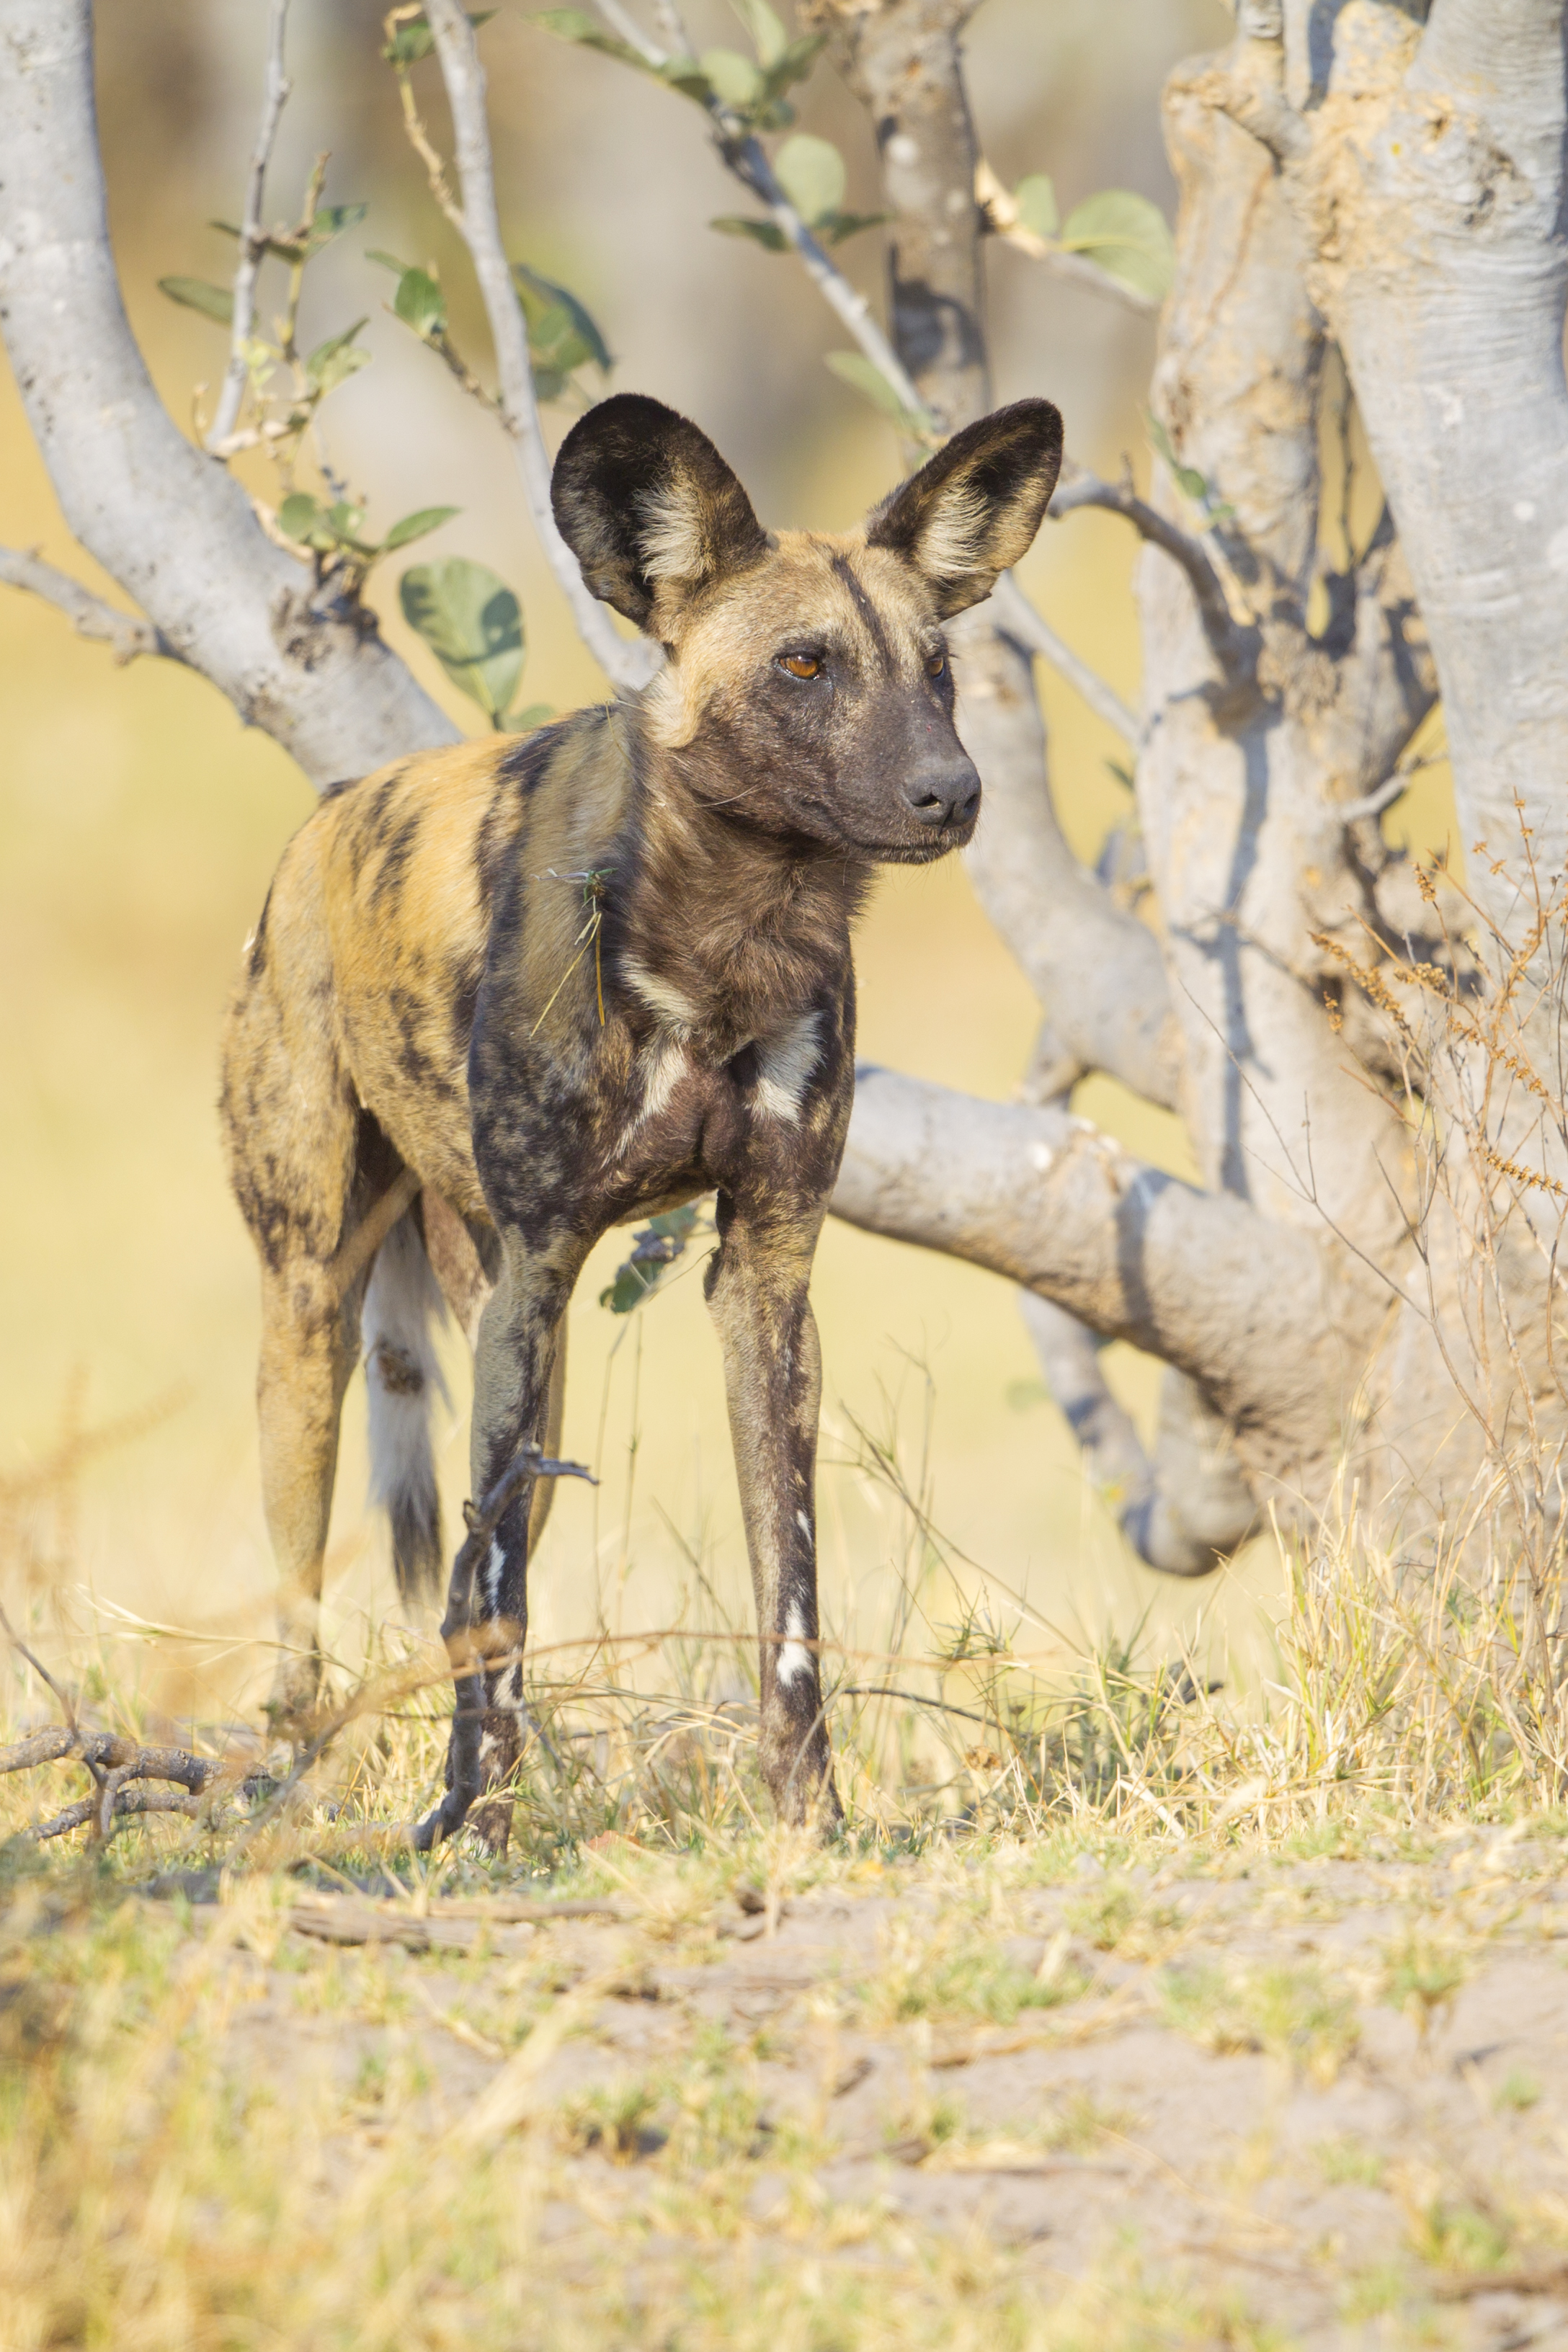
{"x":430,"y":1079}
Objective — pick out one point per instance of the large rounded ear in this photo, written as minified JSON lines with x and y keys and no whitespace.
{"x":974,"y":508}
{"x":648,"y":506}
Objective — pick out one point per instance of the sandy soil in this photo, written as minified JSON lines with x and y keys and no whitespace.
{"x":1325,"y":2096}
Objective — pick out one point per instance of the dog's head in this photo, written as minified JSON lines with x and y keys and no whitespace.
{"x":808,"y":689}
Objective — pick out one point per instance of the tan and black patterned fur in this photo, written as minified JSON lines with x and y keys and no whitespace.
{"x":417,"y":1039}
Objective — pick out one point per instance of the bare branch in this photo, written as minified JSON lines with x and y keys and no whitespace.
{"x":1181,"y":1509}
{"x":1201,"y":1280}
{"x":174,"y":529}
{"x":1014,"y":613}
{"x":1233,"y":645}
{"x":252,"y":237}
{"x":745,"y":158}
{"x":743,"y":155}
{"x":125,"y":634}
{"x":628,"y":664}
{"x":1096,"y":968}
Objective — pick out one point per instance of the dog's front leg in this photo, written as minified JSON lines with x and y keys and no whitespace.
{"x":757,"y":1290}
{"x":486,"y":1619}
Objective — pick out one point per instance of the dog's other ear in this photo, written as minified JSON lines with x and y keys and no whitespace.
{"x":974,"y":508}
{"x":648,"y":506}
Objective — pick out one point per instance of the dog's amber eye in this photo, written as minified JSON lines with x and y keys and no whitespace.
{"x":936,"y":663}
{"x":802,"y":665}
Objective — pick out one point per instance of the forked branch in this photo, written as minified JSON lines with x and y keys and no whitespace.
{"x":1233,"y":645}
{"x":627,"y":663}
{"x":252,"y":235}
{"x":125,"y":634}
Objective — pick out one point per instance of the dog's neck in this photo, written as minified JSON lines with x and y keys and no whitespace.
{"x":727,"y":931}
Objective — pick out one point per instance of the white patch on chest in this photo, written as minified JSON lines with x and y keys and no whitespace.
{"x":661,"y":1065}
{"x":661,"y":996}
{"x":784,"y":1062}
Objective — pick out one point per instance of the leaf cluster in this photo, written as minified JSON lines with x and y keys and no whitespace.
{"x":749,"y":92}
{"x":1122,"y":233}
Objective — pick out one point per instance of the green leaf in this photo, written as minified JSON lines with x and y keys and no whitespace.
{"x":330,"y":222}
{"x":836,"y":226}
{"x":576,"y":25}
{"x":768,"y":35}
{"x":687,"y":76}
{"x":1036,"y":202}
{"x":734,"y":79}
{"x":811,"y":173}
{"x":344,"y":521}
{"x":212,"y":301}
{"x":416,"y":526}
{"x":681,"y":73}
{"x":1188,"y":477}
{"x":766,"y":232}
{"x":1128,"y":236}
{"x":333,"y":363}
{"x":472,"y":622}
{"x":656,"y":1247}
{"x":793,"y":66}
{"x":414,"y":40}
{"x":856,"y":370}
{"x":387,"y":261}
{"x":420,"y":303}
{"x":538,"y":714}
{"x":300,"y":516}
{"x":558,"y":324}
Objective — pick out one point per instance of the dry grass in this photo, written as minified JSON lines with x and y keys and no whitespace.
{"x":219,"y":2131}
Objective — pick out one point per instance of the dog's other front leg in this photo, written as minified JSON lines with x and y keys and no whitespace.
{"x":486,"y":1625}
{"x":757,"y":1290}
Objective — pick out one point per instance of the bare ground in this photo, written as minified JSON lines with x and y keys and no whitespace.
{"x":1053,"y":2094}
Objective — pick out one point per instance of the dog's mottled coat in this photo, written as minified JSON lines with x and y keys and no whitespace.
{"x":503,"y":997}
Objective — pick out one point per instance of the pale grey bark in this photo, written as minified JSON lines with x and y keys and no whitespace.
{"x":628,"y":663}
{"x":125,"y":634}
{"x":167,"y":521}
{"x":1181,"y":1509}
{"x":1199,"y":1279}
{"x":252,"y":235}
{"x":1432,"y":187}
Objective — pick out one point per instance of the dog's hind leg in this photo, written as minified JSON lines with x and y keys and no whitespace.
{"x":403,"y":1379}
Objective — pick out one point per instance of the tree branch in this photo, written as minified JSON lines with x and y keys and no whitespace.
{"x":1096,"y":968}
{"x":999,"y":211}
{"x":125,"y":634}
{"x":252,"y":237}
{"x":1234,"y":646}
{"x":1182,"y":1510}
{"x":1014,"y":613}
{"x":1199,"y":1279}
{"x":743,"y":155}
{"x":172,"y":528}
{"x":627,"y":663}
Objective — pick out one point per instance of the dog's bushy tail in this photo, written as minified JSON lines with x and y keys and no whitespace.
{"x":402,"y":1308}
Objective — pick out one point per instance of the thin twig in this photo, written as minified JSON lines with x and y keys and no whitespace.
{"x":1231,"y":644}
{"x":252,"y":235}
{"x":125,"y":634}
{"x":742,"y":154}
{"x":999,"y":213}
{"x":628,"y":664}
{"x":1016,"y":617}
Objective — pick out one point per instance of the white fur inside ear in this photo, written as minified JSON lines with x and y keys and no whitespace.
{"x":952,"y":541}
{"x":669,"y":537}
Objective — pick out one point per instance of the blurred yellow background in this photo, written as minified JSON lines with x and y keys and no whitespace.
{"x":139,"y":823}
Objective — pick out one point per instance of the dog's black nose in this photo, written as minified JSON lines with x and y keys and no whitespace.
{"x":945,"y":795}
